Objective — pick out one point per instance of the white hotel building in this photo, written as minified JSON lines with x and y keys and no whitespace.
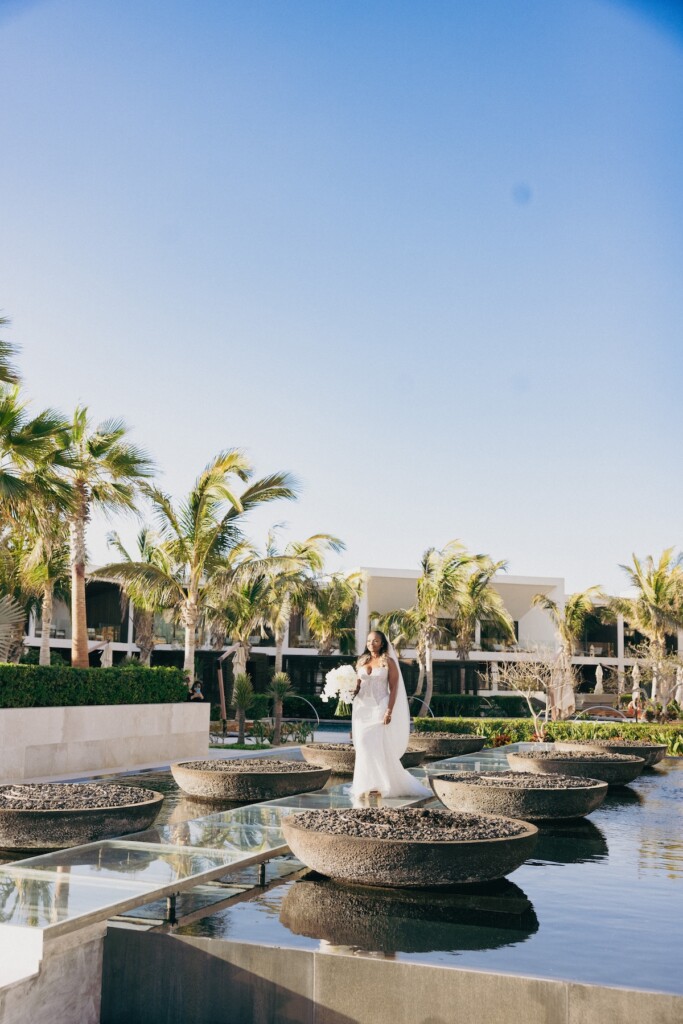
{"x":386,"y":589}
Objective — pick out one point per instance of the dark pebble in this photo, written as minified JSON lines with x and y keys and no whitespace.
{"x":250,"y":764}
{"x":412,"y":824}
{"x":70,"y":796}
{"x":517,"y":780}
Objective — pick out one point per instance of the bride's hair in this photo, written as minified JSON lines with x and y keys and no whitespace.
{"x":383,"y":650}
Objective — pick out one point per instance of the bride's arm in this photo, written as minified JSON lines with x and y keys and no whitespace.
{"x":392,"y":671}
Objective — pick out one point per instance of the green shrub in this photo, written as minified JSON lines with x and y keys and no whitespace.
{"x":41,"y":686}
{"x":521,"y":730}
{"x":467,"y":705}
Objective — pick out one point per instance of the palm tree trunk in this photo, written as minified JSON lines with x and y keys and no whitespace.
{"x":277,"y":723}
{"x":190,"y":616}
{"x":420,"y":676}
{"x":429,"y":673}
{"x":279,"y":645}
{"x":144,"y":634}
{"x":46,"y":619}
{"x":79,"y":622}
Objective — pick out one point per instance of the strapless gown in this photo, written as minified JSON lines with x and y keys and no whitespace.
{"x":378,"y":766}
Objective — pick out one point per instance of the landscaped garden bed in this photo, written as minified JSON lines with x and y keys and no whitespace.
{"x":651,"y":753}
{"x":439,"y":745}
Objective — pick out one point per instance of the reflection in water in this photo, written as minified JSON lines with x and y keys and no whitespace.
{"x":411,"y":921}
{"x":571,"y":842}
{"x":621,"y":796}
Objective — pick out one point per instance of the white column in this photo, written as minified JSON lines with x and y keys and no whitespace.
{"x":679,"y":641}
{"x":32,"y":625}
{"x":362,"y":622}
{"x":477,"y":633}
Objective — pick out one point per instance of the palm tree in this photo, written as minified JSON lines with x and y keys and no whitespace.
{"x":8,"y":373}
{"x":237,"y":611}
{"x":280,"y":687}
{"x":148,"y":552}
{"x":330,"y":610}
{"x":44,"y":567}
{"x":242,"y":700}
{"x":292,"y":581}
{"x":106,"y":474}
{"x":476,"y":601}
{"x":197,"y":538}
{"x":569,"y":622}
{"x":405,"y":627}
{"x":12,"y":616}
{"x":31,"y":449}
{"x":657,"y":607}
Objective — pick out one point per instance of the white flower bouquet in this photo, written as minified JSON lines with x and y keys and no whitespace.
{"x":341,"y":683}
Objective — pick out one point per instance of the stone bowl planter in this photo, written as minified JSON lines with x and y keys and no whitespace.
{"x":53,"y":816}
{"x":439,"y":745}
{"x":340,"y":758}
{"x":248,"y":779}
{"x":408,"y":920}
{"x":614,"y":769}
{"x":652,"y":753}
{"x":411,"y":847}
{"x":523,"y":795}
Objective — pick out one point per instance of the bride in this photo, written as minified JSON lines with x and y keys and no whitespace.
{"x":380,"y":724}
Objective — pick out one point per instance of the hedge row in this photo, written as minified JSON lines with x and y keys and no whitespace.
{"x":467,"y":705}
{"x":499,"y":731}
{"x":38,"y":686}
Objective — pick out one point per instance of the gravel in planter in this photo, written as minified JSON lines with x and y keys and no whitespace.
{"x":614,"y":769}
{"x":331,"y":746}
{"x":517,"y":780}
{"x":35,"y":796}
{"x":248,"y":779}
{"x":576,"y":755}
{"x":652,"y":753}
{"x":248,"y":764}
{"x":525,"y":795}
{"x":51,"y":816}
{"x":411,"y":824}
{"x":446,"y":735}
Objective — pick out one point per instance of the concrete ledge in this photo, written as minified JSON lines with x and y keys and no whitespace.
{"x":40,"y":743}
{"x":157,"y":977}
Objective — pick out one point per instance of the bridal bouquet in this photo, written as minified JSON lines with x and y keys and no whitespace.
{"x":341,"y":683}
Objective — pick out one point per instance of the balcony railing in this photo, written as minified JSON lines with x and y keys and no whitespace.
{"x":595,"y":649}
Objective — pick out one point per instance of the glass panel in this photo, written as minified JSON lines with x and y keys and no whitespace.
{"x":40,"y":899}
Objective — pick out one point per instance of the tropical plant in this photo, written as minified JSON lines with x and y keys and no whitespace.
{"x":476,"y":601}
{"x":569,"y":623}
{"x":280,"y":687}
{"x":105,"y":474}
{"x":197,"y":538}
{"x":44,"y":566}
{"x":329,"y":612}
{"x":242,"y":700}
{"x":8,"y":372}
{"x":32,"y":449}
{"x":11,"y":616}
{"x":291,"y":581}
{"x":148,"y":552}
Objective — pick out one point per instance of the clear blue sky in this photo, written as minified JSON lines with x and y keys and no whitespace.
{"x":426,"y":256}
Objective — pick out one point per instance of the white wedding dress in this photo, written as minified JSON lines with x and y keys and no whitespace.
{"x":379,"y":747}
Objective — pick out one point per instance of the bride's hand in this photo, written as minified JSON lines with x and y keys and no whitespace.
{"x":387,"y":717}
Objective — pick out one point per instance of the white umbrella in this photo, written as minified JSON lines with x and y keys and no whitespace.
{"x":598,"y":680}
{"x":678,"y":692}
{"x":495,"y":676}
{"x":655,"y":682}
{"x":107,"y":656}
{"x":635,"y":676}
